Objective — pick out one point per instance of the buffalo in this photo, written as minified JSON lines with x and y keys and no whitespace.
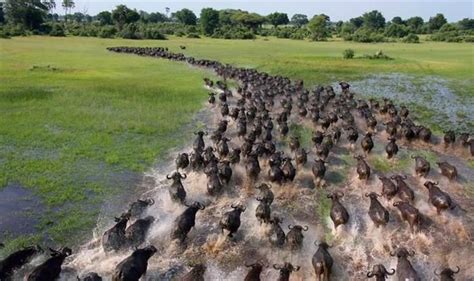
{"x":196,"y":273}
{"x":422,"y":166}
{"x":263,"y":211}
{"x":448,"y":170}
{"x":16,"y":260}
{"x":176,"y":190}
{"x":289,"y":171}
{"x":377,"y":212}
{"x":367,"y":143}
{"x":391,"y":148}
{"x":254,"y":272}
{"x":51,"y":268}
{"x":114,"y":239}
{"x":135,"y":266}
{"x":319,"y":170}
{"x":231,"y":220}
{"x":266,"y":194}
{"x":380,"y":272}
{"x":182,"y":161}
{"x":389,"y":189}
{"x":404,"y":191}
{"x":447,"y":274}
{"x":294,"y":237}
{"x":440,"y":199}
{"x":449,"y":138}
{"x":405,"y":270}
{"x":363,"y":169}
{"x":322,"y":262}
{"x":285,"y":270}
{"x":199,"y":144}
{"x":91,"y":276}
{"x":276,"y":235}
{"x":186,"y":221}
{"x":138,"y":207}
{"x":137,"y":232}
{"x":338,"y":214}
{"x":410,"y":214}
{"x":234,"y":156}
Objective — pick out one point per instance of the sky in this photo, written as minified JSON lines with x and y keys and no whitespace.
{"x":336,"y":9}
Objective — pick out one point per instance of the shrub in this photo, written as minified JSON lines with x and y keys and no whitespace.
{"x":379,"y":55}
{"x":366,"y":35}
{"x":233,"y":32}
{"x":57,"y":30}
{"x":193,"y":35}
{"x":107,"y":31}
{"x":348,"y":54}
{"x":411,"y":38}
{"x":130,"y":31}
{"x":153,"y":33}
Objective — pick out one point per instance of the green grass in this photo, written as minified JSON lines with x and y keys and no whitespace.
{"x":80,"y":124}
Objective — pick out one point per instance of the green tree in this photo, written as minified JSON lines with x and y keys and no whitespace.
{"x":436,"y":22}
{"x":186,"y":16}
{"x":29,"y":13}
{"x":398,"y":20}
{"x":250,"y":20}
{"x":225,"y":16}
{"x":157,"y":17}
{"x":68,"y":5}
{"x":357,"y":22}
{"x":299,"y":20}
{"x":2,"y":14}
{"x":105,"y":18}
{"x":277,"y":19}
{"x":122,"y":15}
{"x":415,"y":24}
{"x":209,"y":20}
{"x":50,"y":4}
{"x":396,"y":30}
{"x":466,"y":24}
{"x":374,"y":20}
{"x":78,"y":17}
{"x":319,"y":27}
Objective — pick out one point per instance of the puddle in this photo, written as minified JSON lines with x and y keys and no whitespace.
{"x":19,"y":210}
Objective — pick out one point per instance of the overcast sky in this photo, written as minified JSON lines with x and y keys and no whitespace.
{"x":335,"y":9}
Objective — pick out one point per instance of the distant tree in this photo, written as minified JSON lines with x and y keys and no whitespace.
{"x":122,"y":15}
{"x":78,"y":17}
{"x":299,"y":20}
{"x":186,"y":16}
{"x":29,"y":13}
{"x":144,"y":16}
{"x":319,"y":27}
{"x":338,"y":26}
{"x":105,"y":18}
{"x":357,"y":22}
{"x":250,"y":20}
{"x":167,"y":11}
{"x":209,"y":20}
{"x":374,"y":20}
{"x":347,"y":29}
{"x":436,"y":22}
{"x":396,"y":30}
{"x":448,"y":27}
{"x":277,"y":19}
{"x":157,"y":17}
{"x":415,"y":24}
{"x":68,"y":5}
{"x":398,"y":20}
{"x":466,"y":24}
{"x":225,"y":16}
{"x":2,"y":14}
{"x":50,"y":4}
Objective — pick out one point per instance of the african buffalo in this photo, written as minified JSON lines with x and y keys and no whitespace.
{"x":447,"y":274}
{"x":91,"y":276}
{"x":405,"y":270}
{"x":322,"y":262}
{"x":231,"y":219}
{"x":263,"y":210}
{"x":377,"y":212}
{"x":380,"y":272}
{"x":51,"y":268}
{"x":136,"y":233}
{"x":16,"y":260}
{"x":186,"y":221}
{"x":440,"y":199}
{"x":135,"y":266}
{"x":363,"y":169}
{"x":449,"y":138}
{"x":389,"y":189}
{"x":448,"y":170}
{"x":182,"y":161}
{"x":199,"y":144}
{"x":265,"y":193}
{"x":254,"y":272}
{"x":294,"y":237}
{"x":114,"y":239}
{"x":404,"y":191}
{"x":285,"y":270}
{"x":138,"y":207}
{"x":422,"y":166}
{"x":276,"y":235}
{"x":410,"y":214}
{"x":391,"y":148}
{"x":338,"y":214}
{"x":367,"y":143}
{"x":176,"y":190}
{"x":319,"y":170}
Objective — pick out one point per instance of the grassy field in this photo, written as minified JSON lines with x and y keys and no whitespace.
{"x":80,"y":124}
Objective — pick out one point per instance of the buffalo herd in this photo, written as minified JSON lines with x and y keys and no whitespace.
{"x":259,"y":111}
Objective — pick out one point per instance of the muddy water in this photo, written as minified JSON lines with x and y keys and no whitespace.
{"x":445,"y":240}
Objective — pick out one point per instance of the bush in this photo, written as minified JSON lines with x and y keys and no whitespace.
{"x":153,"y":33}
{"x":348,"y":54}
{"x":10,"y":30}
{"x":107,"y":31}
{"x":193,"y":35}
{"x":57,"y":30}
{"x":411,"y":38}
{"x":379,"y":55}
{"x":130,"y":31}
{"x":233,"y":32}
{"x":366,"y":35}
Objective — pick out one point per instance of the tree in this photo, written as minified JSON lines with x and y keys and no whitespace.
{"x":319,"y":27}
{"x":29,"y":13}
{"x":250,"y":20}
{"x":2,"y":14}
{"x":299,"y":20}
{"x":105,"y":18}
{"x":357,"y":22}
{"x":415,"y":24}
{"x":396,"y":30}
{"x":398,"y":20}
{"x":122,"y":15}
{"x":436,"y":22}
{"x":68,"y":5}
{"x":374,"y":20}
{"x":466,"y":24}
{"x":157,"y":17}
{"x":277,"y":19}
{"x":209,"y":20}
{"x":186,"y":16}
{"x":78,"y":17}
{"x":50,"y":4}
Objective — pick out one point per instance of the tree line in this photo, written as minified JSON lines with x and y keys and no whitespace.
{"x":23,"y":17}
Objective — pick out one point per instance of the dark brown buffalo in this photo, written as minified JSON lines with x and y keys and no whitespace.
{"x":338,"y":214}
{"x":198,"y":144}
{"x":234,"y":156}
{"x":265,"y":193}
{"x":377,"y":213}
{"x":405,"y":270}
{"x":363,"y":169}
{"x":263,"y":211}
{"x":294,"y":143}
{"x":16,"y":260}
{"x":254,"y":272}
{"x":285,"y":270}
{"x":409,"y":214}
{"x":367,"y":144}
{"x":301,"y":157}
{"x":182,"y":161}
{"x":134,"y":266}
{"x":294,"y":237}
{"x":448,"y":170}
{"x":289,"y":171}
{"x":225,"y":171}
{"x":176,"y":190}
{"x":440,"y":199}
{"x":137,"y":232}
{"x":404,"y":191}
{"x":380,"y":272}
{"x":391,"y":148}
{"x":195,"y":274}
{"x":319,"y":170}
{"x":91,"y":276}
{"x":424,"y":134}
{"x":51,"y":268}
{"x":464,"y":139}
{"x":231,"y":220}
{"x":114,"y":239}
{"x":186,"y":221}
{"x":422,"y":166}
{"x":449,"y":138}
{"x":138,"y":207}
{"x":389,"y":189}
{"x":276,"y":235}
{"x":322,"y":262}
{"x":447,"y":274}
